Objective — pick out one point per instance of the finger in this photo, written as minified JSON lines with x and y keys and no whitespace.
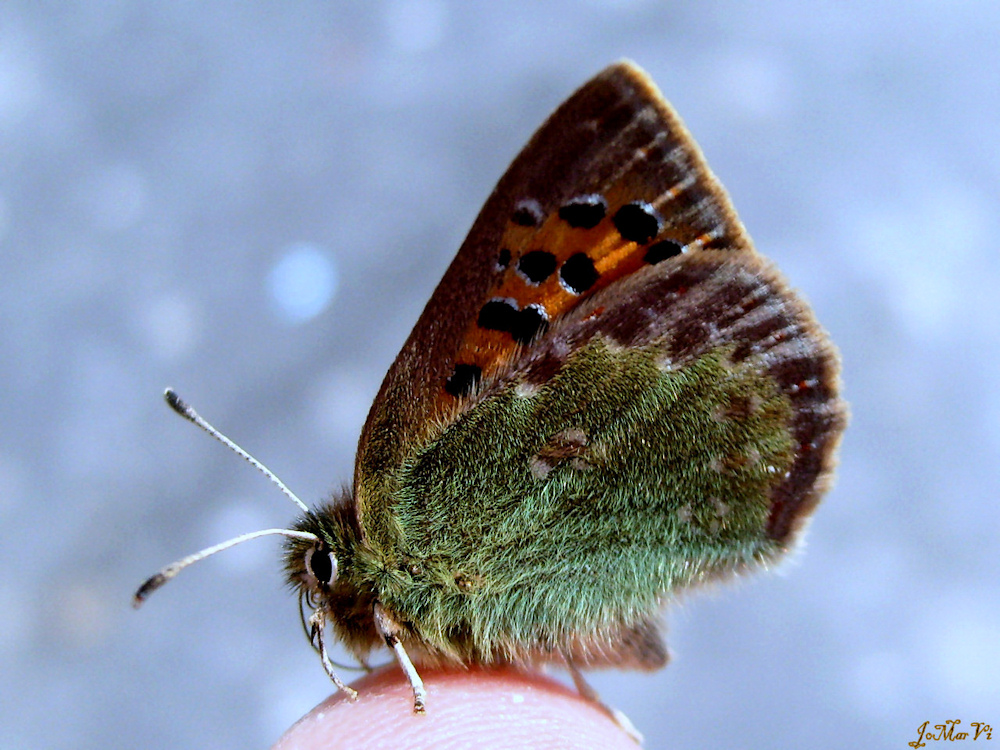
{"x":498,"y":708}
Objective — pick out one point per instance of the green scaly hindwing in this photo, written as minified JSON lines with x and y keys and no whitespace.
{"x":580,"y":503}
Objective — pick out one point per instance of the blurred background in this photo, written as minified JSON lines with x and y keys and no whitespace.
{"x":252,"y":201}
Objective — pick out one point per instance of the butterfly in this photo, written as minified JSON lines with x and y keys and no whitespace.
{"x":610,"y":399}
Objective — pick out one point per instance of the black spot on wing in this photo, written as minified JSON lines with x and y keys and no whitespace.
{"x":537,"y":265}
{"x":530,"y":323}
{"x":660,"y":251}
{"x":497,"y":315}
{"x":528,"y":213}
{"x":584,"y":212}
{"x":578,"y":273}
{"x":637,"y":222}
{"x":503,"y":260}
{"x":523,"y":325}
{"x":463,"y":380}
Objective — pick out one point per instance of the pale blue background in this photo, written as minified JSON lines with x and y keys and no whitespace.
{"x":169,"y":173}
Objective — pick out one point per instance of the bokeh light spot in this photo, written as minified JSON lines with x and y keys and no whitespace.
{"x":302,"y":283}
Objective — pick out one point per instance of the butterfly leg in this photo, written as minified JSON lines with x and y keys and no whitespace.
{"x":588,"y":692}
{"x":389,"y":630}
{"x":317,"y":623}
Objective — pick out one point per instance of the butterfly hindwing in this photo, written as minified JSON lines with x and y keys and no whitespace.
{"x":611,"y":184}
{"x":676,"y":428}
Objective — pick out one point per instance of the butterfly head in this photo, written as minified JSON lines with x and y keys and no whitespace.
{"x":332,"y":574}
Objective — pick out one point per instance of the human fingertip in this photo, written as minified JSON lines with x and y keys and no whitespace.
{"x":497,"y":707}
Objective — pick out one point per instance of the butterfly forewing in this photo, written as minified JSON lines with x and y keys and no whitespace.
{"x":611,"y":184}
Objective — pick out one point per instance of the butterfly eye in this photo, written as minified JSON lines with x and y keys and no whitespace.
{"x":321,"y":565}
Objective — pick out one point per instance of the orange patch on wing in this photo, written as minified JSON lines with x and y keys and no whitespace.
{"x":612,"y":256}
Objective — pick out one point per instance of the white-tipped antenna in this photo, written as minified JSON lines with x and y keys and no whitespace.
{"x":182,"y":408}
{"x":154,"y":582}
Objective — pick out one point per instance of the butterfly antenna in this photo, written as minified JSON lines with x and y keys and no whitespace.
{"x":185,"y":410}
{"x":155,"y":581}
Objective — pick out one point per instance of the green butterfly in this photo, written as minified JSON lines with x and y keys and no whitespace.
{"x":609,"y":399}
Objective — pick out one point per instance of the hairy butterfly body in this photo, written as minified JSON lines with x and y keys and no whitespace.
{"x":610,"y":398}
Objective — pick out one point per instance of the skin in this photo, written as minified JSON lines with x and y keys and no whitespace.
{"x":496,"y":708}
